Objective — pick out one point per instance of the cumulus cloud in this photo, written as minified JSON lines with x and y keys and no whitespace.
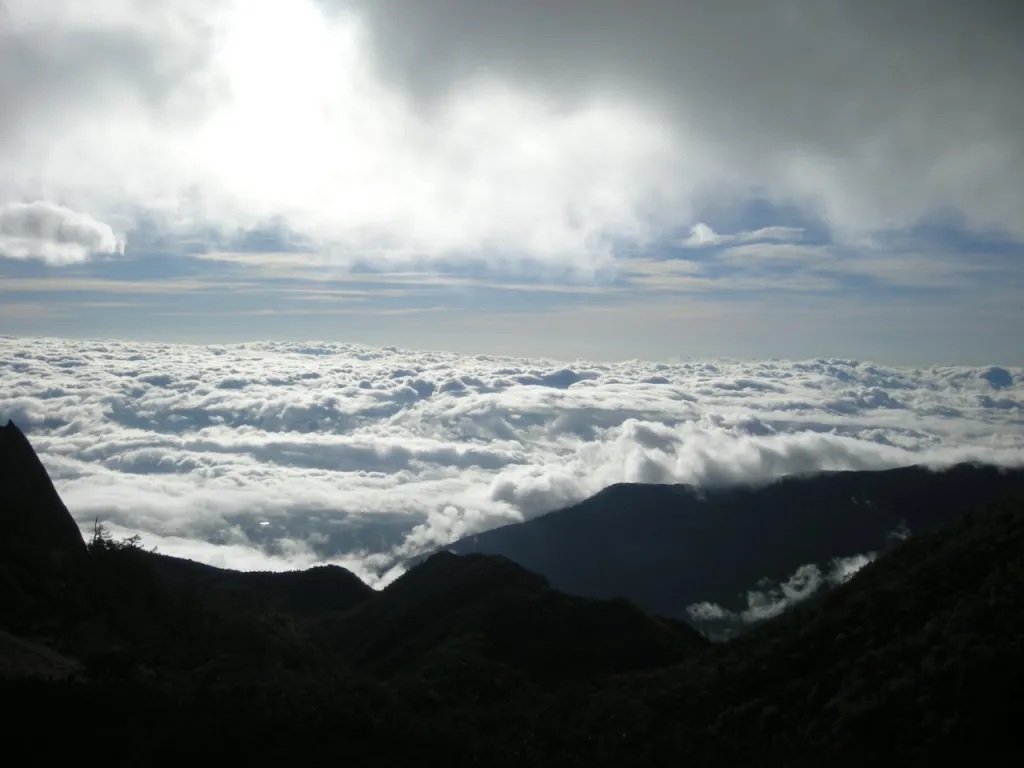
{"x":407,"y":131}
{"x":53,"y":233}
{"x":368,"y":456}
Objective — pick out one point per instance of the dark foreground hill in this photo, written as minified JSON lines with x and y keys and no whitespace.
{"x":494,"y":609}
{"x":317,"y":591}
{"x":476,"y":661}
{"x":42,"y":555}
{"x":666,"y":547}
{"x":921,"y":654}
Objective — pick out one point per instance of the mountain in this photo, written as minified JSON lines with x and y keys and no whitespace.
{"x":496,"y":610}
{"x":666,"y":547}
{"x":36,"y":525}
{"x":474,"y":660}
{"x":35,"y":521}
{"x":317,"y":591}
{"x":915,"y":658}
{"x":42,"y":555}
{"x":23,"y":658}
{"x":115,"y":604}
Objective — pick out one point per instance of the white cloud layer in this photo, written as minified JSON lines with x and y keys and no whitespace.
{"x":364,"y":456}
{"x":405,"y":131}
{"x":53,"y":233}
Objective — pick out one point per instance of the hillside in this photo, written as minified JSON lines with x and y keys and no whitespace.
{"x":316,"y":591}
{"x":473,"y":660}
{"x":666,"y":547}
{"x":497,"y":610}
{"x":42,"y":555}
{"x":917,"y":656}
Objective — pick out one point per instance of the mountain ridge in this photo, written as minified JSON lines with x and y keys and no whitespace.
{"x":511,"y":615}
{"x":472,"y":659}
{"x":667,"y":547}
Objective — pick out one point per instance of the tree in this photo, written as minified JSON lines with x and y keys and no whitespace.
{"x":103,"y":540}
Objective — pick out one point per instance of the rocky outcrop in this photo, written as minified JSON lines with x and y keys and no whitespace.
{"x":42,"y":554}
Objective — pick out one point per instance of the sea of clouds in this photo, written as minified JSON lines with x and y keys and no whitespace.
{"x":280,"y":455}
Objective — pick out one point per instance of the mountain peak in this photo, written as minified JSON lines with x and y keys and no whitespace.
{"x":33,"y":519}
{"x":668,"y":547}
{"x":42,"y":554}
{"x":462,"y":578}
{"x":511,"y":616}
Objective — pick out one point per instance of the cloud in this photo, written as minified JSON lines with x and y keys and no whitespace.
{"x":702,"y":235}
{"x":20,"y":311}
{"x":776,"y":253}
{"x":856,"y":109}
{"x":100,"y":285}
{"x":844,"y":568}
{"x":706,"y":611}
{"x":53,"y":233}
{"x":192,"y":122}
{"x":769,"y":600}
{"x":365,"y":456}
{"x":405,"y":132}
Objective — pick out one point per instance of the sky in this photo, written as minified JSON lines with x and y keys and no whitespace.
{"x":296,"y":281}
{"x":589,"y":179}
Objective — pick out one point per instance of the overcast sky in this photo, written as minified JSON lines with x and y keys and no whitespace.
{"x":582,"y":178}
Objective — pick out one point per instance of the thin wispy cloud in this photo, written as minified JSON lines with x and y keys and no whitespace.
{"x":769,"y":600}
{"x":702,"y":235}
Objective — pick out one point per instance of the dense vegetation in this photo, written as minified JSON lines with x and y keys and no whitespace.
{"x":920,"y":655}
{"x":474,"y":660}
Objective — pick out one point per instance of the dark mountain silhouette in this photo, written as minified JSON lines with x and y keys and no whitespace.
{"x":35,"y":521}
{"x":915,"y":657}
{"x":42,"y":555}
{"x":23,"y":658}
{"x":504,"y":613}
{"x":136,"y":609}
{"x":320,"y":590}
{"x":666,"y":547}
{"x":473,"y":660}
